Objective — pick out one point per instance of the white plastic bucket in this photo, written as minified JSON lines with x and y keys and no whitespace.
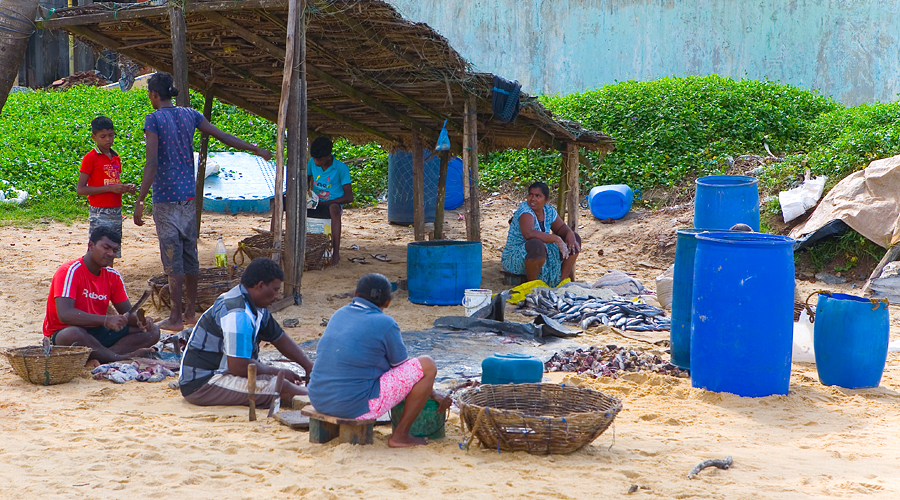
{"x":475,"y":299}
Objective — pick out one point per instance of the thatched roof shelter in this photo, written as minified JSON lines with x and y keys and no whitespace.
{"x":350,"y":68}
{"x":372,"y":75}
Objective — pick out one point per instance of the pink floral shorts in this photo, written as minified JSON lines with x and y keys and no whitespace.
{"x":395,"y":386}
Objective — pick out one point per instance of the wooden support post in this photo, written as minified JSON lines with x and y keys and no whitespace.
{"x":251,"y":389}
{"x":295,"y":240}
{"x":204,"y":153}
{"x":418,"y":176}
{"x":561,"y":190}
{"x":572,"y":191}
{"x":178,"y":28}
{"x":278,"y":204}
{"x":441,"y":196}
{"x":470,"y":169}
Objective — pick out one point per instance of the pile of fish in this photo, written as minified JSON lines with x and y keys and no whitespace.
{"x":608,"y":361}
{"x":588,"y":311}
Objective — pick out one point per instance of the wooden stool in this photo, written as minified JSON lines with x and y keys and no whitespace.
{"x":512,"y":279}
{"x":323,"y":428}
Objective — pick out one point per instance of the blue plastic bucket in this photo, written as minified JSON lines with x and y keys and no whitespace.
{"x":722,"y":201}
{"x":513,"y":368}
{"x":439,"y":272}
{"x":742,"y":315}
{"x":851,"y":340}
{"x":610,"y":202}
{"x":400,"y":195}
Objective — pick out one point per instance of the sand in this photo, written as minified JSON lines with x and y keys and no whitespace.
{"x":97,"y":439}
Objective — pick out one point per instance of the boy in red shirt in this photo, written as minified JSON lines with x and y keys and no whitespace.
{"x":99,"y":180}
{"x":79,"y":299}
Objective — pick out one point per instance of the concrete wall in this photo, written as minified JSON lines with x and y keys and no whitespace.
{"x":849,"y":49}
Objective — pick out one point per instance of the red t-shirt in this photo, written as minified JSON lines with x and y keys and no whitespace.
{"x":102,"y":170}
{"x":92,"y":294}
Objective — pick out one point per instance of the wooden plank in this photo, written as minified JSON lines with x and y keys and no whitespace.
{"x":288,"y":74}
{"x":418,"y":176}
{"x":178,"y":29}
{"x":321,"y":432}
{"x":204,"y":153}
{"x":293,"y":419}
{"x":357,"y":434}
{"x":572,"y":190}
{"x":158,"y":11}
{"x":311,"y":412}
{"x":474,"y":227}
{"x":441,"y":196}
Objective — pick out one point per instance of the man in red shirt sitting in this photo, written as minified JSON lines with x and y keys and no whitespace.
{"x":79,"y":299}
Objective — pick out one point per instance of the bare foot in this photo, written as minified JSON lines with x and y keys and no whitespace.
{"x":335,"y":259}
{"x":171,"y":325}
{"x":190,"y":322}
{"x":405,"y":442}
{"x":92,"y":363}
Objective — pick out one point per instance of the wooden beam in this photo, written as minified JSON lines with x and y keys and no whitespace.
{"x":561,"y":189}
{"x":418,"y":176}
{"x":295,"y":237}
{"x":572,"y":189}
{"x":139,"y":12}
{"x":441,"y":196}
{"x":473,"y":228}
{"x":204,"y":152}
{"x":178,"y":30}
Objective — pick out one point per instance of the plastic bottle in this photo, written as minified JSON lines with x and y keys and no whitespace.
{"x":221,"y":255}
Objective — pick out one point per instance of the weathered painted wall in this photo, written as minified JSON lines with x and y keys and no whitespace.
{"x":849,"y":49}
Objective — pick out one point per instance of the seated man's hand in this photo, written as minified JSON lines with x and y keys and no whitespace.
{"x":116,"y":322}
{"x":292,"y":377}
{"x":443,"y":400}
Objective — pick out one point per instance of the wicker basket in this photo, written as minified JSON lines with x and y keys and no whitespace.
{"x":62,"y":365}
{"x":538,"y":418}
{"x":212,"y":282}
{"x":260,"y":245}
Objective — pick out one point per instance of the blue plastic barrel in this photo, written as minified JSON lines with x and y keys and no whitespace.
{"x":722,"y":201}
{"x":682,"y":290}
{"x":742,"y":314}
{"x":400,"y":182}
{"x":610,"y":202}
{"x":851,"y":340}
{"x":439,"y":272}
{"x":511,"y":368}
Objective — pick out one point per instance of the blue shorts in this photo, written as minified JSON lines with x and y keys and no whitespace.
{"x":106,"y":336}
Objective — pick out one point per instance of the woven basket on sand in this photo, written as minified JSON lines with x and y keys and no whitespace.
{"x":261,"y":245}
{"x":212,"y":282}
{"x":537,"y":418}
{"x":60,"y":366}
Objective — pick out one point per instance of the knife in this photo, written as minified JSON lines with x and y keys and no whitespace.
{"x":137,"y":305}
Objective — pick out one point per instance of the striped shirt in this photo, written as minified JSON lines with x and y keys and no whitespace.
{"x":92,"y":294}
{"x":233,"y":327}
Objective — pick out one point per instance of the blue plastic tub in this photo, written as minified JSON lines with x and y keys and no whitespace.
{"x":722,"y":201}
{"x":682,"y":290}
{"x":400,"y":195}
{"x":610,"y":202}
{"x":439,"y":272}
{"x":851,"y":340}
{"x":513,"y":368}
{"x":742,"y":314}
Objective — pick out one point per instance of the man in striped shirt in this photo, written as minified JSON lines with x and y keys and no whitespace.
{"x":226,"y":341}
{"x":78,"y":305}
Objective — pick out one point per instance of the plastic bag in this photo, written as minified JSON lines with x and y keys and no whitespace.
{"x":802,"y":350}
{"x":443,"y":142}
{"x":795,"y":202}
{"x":664,"y":283}
{"x":518,"y":294}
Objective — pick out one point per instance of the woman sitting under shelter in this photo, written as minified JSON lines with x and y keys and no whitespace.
{"x":362,"y":369}
{"x":539,"y":244}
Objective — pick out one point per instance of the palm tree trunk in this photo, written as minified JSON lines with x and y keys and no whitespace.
{"x":17,"y":20}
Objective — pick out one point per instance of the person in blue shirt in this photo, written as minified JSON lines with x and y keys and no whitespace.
{"x":362,"y":368}
{"x":329,"y":179}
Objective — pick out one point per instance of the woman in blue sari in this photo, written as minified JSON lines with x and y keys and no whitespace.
{"x":539,"y":244}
